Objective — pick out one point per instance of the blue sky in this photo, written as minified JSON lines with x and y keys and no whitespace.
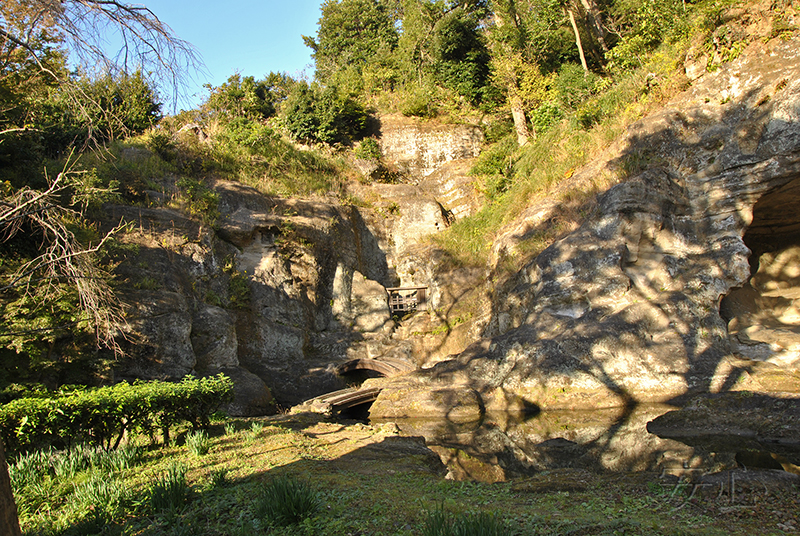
{"x":252,"y":37}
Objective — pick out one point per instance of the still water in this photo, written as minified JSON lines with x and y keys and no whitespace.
{"x":502,"y":446}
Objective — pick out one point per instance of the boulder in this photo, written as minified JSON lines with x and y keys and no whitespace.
{"x":251,"y":395}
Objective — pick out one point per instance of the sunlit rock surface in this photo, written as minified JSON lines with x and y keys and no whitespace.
{"x":627,"y":307}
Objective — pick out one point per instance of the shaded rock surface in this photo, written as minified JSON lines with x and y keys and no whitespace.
{"x":627,"y":307}
{"x":281,"y":291}
{"x":736,"y":423}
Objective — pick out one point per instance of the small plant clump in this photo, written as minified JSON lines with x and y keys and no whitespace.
{"x":169,"y":493}
{"x":198,"y":442}
{"x":442,"y":523}
{"x":284,"y":501}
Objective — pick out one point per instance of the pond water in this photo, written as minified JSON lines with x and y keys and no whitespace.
{"x":503,"y":446}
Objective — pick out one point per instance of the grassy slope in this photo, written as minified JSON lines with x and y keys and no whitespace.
{"x":372,"y":482}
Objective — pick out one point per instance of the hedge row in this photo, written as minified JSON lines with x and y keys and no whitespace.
{"x":101,"y":416}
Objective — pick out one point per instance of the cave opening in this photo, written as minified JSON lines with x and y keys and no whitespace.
{"x":764,"y":314}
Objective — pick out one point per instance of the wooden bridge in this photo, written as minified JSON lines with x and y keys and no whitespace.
{"x":337,"y":401}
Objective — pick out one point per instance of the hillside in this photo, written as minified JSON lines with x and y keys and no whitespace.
{"x":625,"y":263}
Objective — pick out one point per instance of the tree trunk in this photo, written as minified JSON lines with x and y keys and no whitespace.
{"x":9,"y":522}
{"x":595,"y":22}
{"x":577,"y":37}
{"x":514,"y":100}
{"x":520,"y":121}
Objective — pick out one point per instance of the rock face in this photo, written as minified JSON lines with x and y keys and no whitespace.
{"x":419,"y":148}
{"x":627,"y":307}
{"x":281,"y":291}
{"x":741,"y":424}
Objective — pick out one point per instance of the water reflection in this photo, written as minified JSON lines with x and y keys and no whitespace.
{"x":503,"y":446}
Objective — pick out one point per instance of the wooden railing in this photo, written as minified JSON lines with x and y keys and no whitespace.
{"x":404,"y":300}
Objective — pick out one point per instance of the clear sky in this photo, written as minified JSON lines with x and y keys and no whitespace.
{"x":251,"y":37}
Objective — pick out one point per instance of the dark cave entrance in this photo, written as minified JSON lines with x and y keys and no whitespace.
{"x":764,"y":314}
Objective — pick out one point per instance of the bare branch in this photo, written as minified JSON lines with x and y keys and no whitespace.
{"x":63,"y":257}
{"x":87,"y":27}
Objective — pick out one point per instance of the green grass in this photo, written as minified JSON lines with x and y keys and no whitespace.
{"x":169,"y":493}
{"x":284,"y":501}
{"x":441,"y":523}
{"x":303,"y":476}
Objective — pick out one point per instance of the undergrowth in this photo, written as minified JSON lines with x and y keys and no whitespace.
{"x":307,"y":477}
{"x":513,"y":177}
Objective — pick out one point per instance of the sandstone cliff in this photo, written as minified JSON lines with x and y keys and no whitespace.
{"x":278,"y":292}
{"x":683,"y":280}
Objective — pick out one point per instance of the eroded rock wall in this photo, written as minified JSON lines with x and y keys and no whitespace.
{"x":419,"y":148}
{"x":626,"y":308}
{"x":281,"y":291}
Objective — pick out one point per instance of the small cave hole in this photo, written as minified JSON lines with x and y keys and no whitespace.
{"x":764,"y":314}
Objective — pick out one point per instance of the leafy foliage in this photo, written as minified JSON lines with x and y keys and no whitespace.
{"x":352,"y":35}
{"x":197,"y":442}
{"x":103,"y":415}
{"x":313,"y":113}
{"x":459,"y":52}
{"x":202,"y":200}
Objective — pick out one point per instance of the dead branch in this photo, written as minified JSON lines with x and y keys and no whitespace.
{"x":63,"y":257}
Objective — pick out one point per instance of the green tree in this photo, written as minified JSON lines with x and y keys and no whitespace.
{"x":117,"y":105}
{"x":313,"y":113}
{"x":352,"y":35}
{"x":459,"y":52}
{"x":240,"y":97}
{"x":442,"y":43}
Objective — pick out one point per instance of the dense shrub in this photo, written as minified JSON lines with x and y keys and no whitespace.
{"x":103,"y":415}
{"x":315,"y":114}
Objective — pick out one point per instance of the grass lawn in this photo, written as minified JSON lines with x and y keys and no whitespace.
{"x":360,"y":480}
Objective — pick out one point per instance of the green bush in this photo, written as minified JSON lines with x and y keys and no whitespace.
{"x":420,"y":103}
{"x":589,"y":114}
{"x":545,"y":116}
{"x":284,"y":501}
{"x":368,"y":149}
{"x":103,"y":415}
{"x":573,"y":85}
{"x":495,"y":165}
{"x":203,"y":201}
{"x":315,"y":114}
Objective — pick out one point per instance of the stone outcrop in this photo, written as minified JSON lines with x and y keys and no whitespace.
{"x":742,"y":424}
{"x":281,"y":291}
{"x":419,"y":148}
{"x":627,"y":307}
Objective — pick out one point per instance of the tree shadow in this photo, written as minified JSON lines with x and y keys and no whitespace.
{"x":625,"y":311}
